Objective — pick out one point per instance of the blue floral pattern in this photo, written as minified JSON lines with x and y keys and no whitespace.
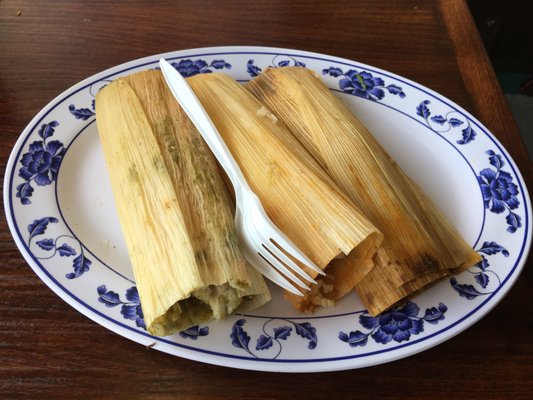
{"x":362,"y":84}
{"x":240,"y":338}
{"x":186,"y":68}
{"x":447,"y":122}
{"x":80,"y":264}
{"x":189,"y":67}
{"x":41,"y":163}
{"x":499,"y":191}
{"x":130,"y":309}
{"x":277,"y":61}
{"x":482,"y":273}
{"x":82,"y":113}
{"x":397,"y":325}
{"x":194,"y":332}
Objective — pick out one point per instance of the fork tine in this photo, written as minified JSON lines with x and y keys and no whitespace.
{"x":286,"y":244}
{"x":272,"y":247}
{"x":252,"y":243}
{"x":262,"y":265}
{"x":275,"y":263}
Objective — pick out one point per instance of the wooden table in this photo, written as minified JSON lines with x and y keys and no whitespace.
{"x":49,"y":350}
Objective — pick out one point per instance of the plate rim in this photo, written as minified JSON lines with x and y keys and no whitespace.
{"x":336,"y":363}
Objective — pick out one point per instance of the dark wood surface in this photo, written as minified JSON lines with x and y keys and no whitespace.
{"x":49,"y":350}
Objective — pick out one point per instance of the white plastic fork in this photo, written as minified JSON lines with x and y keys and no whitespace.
{"x":264,"y":246}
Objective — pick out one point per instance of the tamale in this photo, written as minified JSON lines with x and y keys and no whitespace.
{"x":419,"y":245}
{"x":174,"y":209}
{"x":295,"y":192}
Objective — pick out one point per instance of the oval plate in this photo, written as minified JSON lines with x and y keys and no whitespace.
{"x":60,"y":210}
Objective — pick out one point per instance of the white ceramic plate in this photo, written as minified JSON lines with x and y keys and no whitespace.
{"x":60,"y":211}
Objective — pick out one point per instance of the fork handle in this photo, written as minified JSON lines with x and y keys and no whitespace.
{"x":198,"y":116}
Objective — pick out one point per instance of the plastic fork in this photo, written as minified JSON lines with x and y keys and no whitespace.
{"x":264,"y":246}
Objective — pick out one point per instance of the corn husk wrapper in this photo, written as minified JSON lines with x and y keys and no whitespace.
{"x":295,"y":192}
{"x":174,"y":209}
{"x":419,"y":245}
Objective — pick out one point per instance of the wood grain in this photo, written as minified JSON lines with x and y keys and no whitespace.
{"x":49,"y":350}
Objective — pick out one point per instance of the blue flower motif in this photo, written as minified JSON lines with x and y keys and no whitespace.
{"x":41,"y":163}
{"x":132,"y":295}
{"x":423,"y":110}
{"x":82,"y":113}
{"x":240,"y":338}
{"x":439,"y":119}
{"x":133,"y":310}
{"x":282,"y":332}
{"x":482,"y":279}
{"x":264,"y":342}
{"x":278,"y":61}
{"x":491,"y":248}
{"x":39,"y":226}
{"x":80,"y":264}
{"x":108,"y":297}
{"x":362,"y":84}
{"x":354,"y":339}
{"x":499,"y":192}
{"x":134,"y":313}
{"x":307,"y":331}
{"x":130,"y":309}
{"x":465,"y":290}
{"x":194,"y":332}
{"x":189,"y":67}
{"x":398,"y":325}
{"x":252,"y":69}
{"x":468,"y":134}
{"x":481,"y":273}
